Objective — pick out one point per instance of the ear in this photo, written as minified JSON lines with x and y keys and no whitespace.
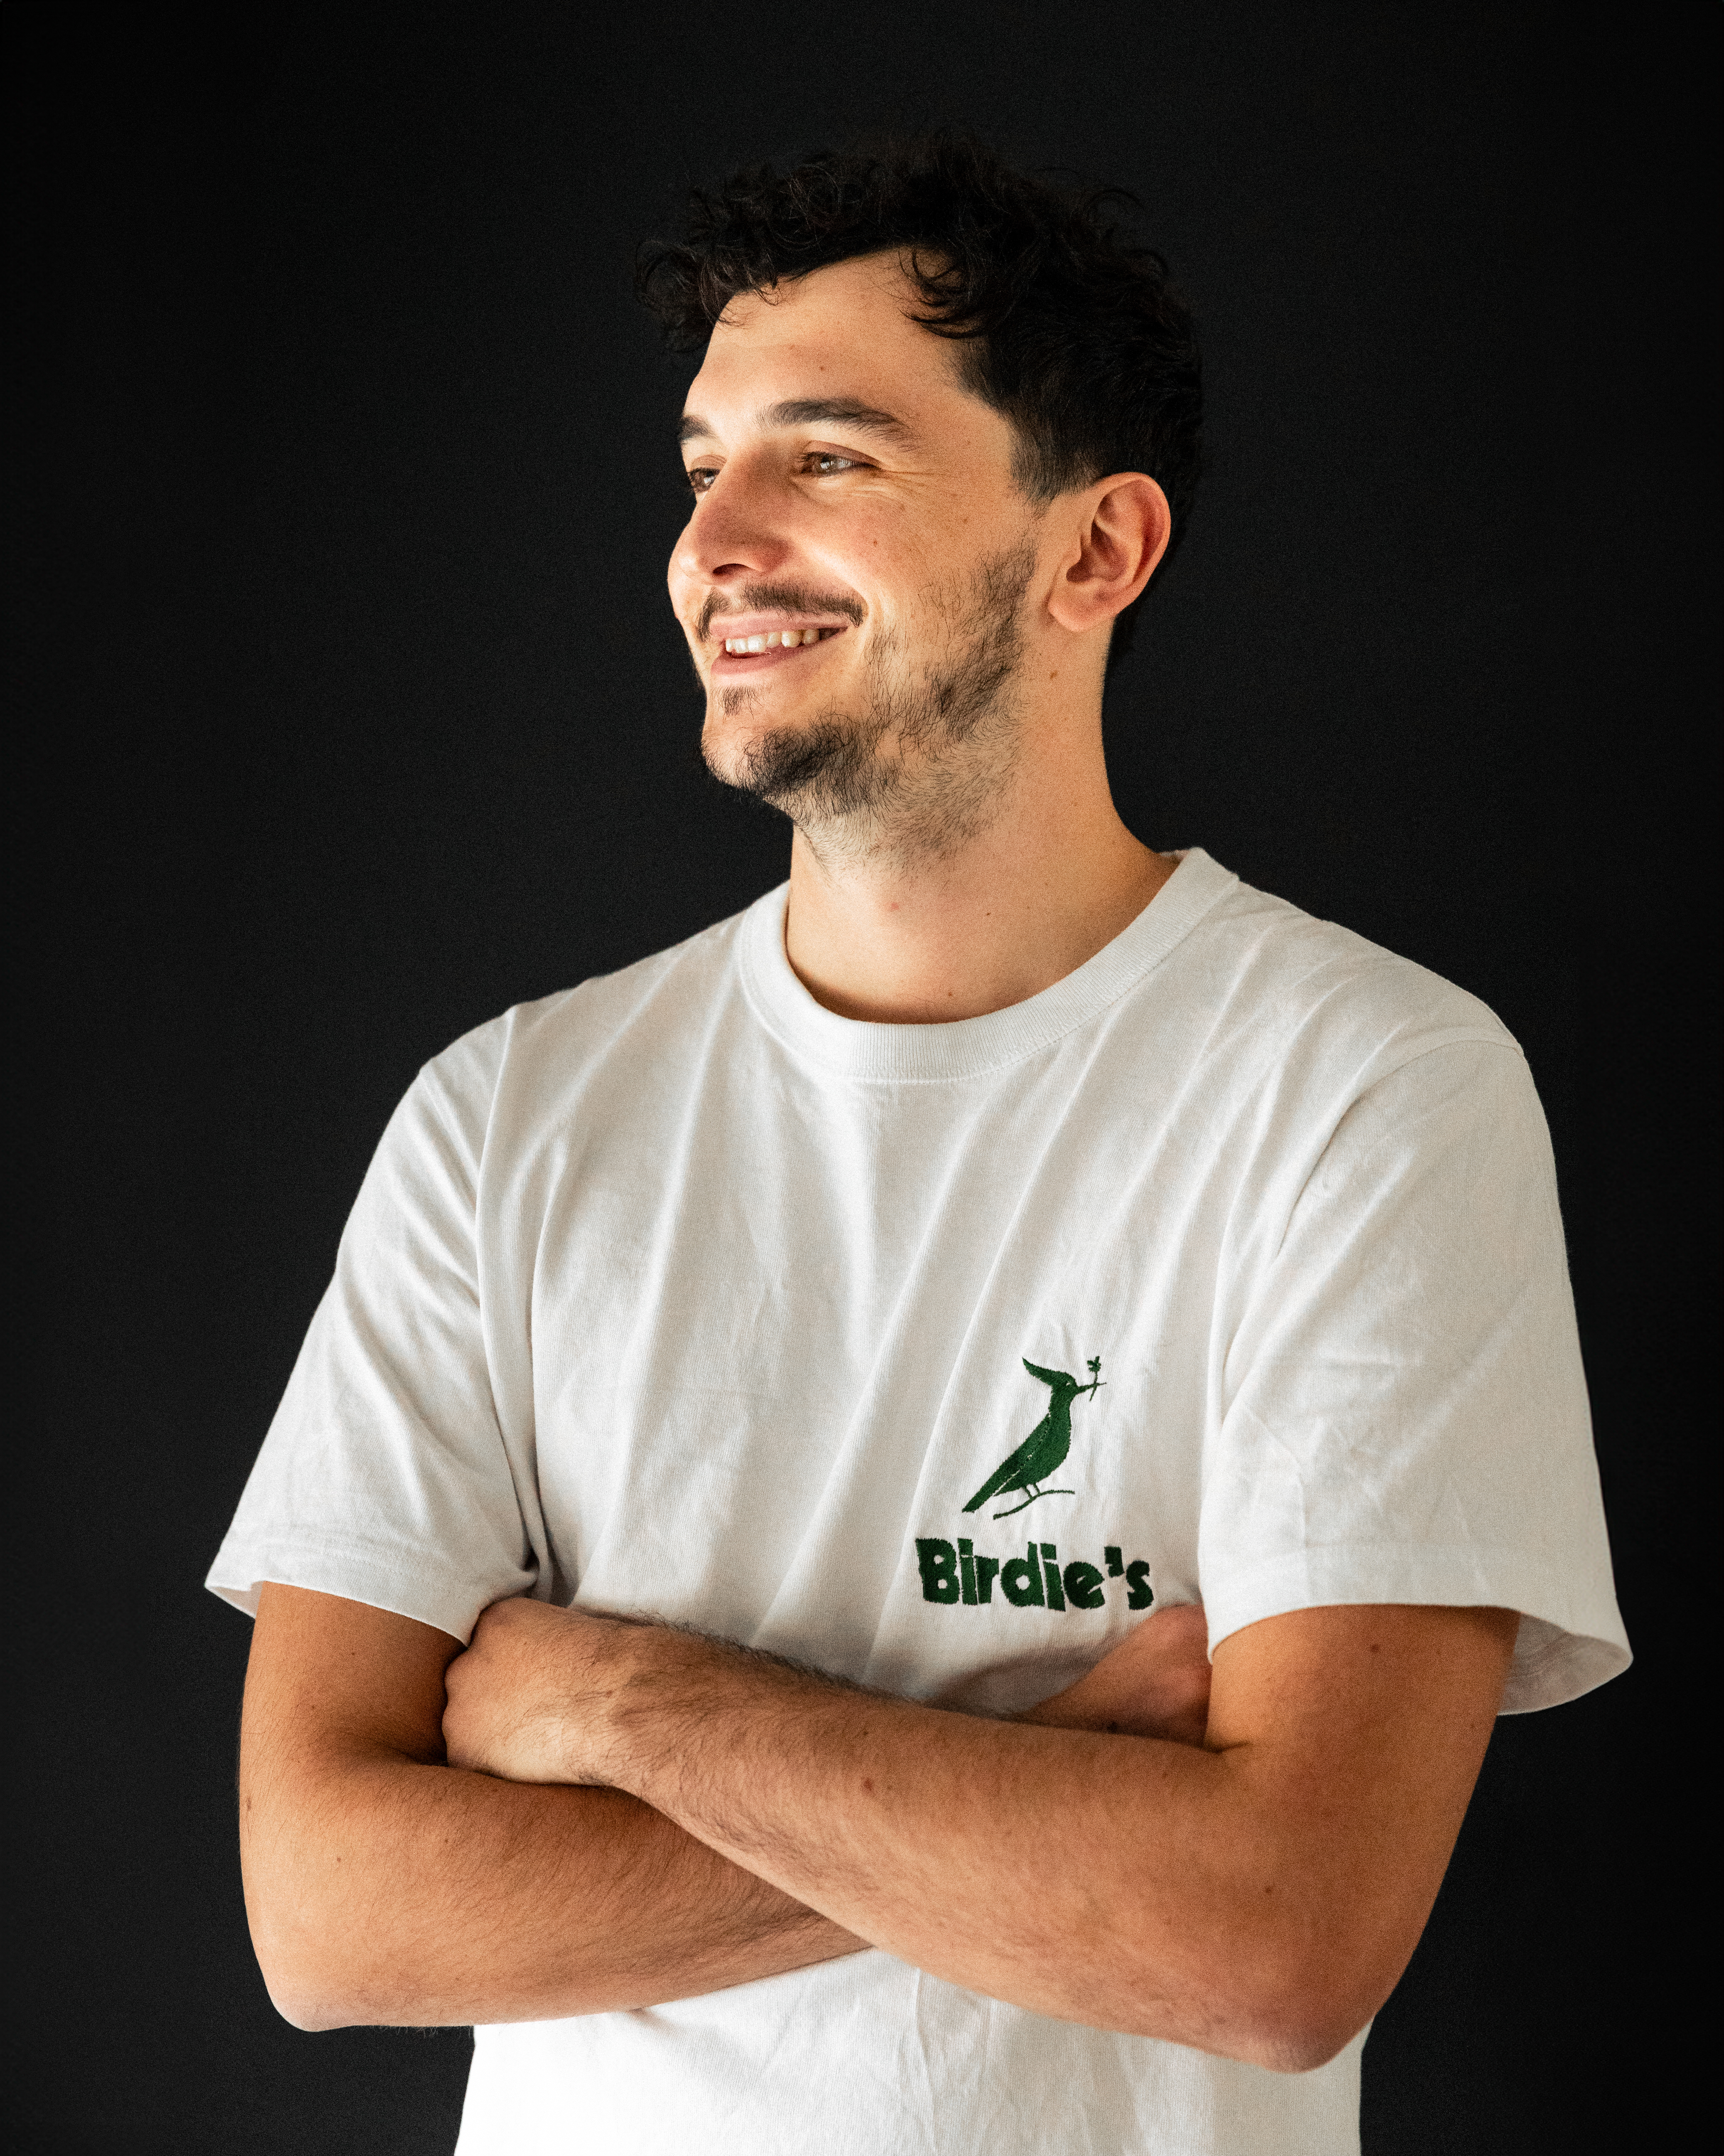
{"x":1122,"y":528}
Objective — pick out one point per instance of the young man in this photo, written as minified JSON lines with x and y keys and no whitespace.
{"x":797,"y":1363}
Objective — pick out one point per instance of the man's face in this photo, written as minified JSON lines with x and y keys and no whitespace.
{"x":851,"y":580}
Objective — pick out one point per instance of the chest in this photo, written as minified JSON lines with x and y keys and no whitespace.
{"x":917,"y":1393}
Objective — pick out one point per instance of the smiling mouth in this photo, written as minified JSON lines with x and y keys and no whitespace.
{"x":775,"y":639}
{"x":752,"y":653}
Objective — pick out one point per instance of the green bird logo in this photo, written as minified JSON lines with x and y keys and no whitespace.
{"x":1045,"y":1447}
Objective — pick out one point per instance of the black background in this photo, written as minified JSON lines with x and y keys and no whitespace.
{"x":354,"y":712}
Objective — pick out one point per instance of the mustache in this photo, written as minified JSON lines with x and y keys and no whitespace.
{"x":780,"y":599}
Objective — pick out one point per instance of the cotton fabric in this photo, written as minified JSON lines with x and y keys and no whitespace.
{"x":675,"y":1293}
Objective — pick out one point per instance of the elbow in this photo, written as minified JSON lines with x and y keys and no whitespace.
{"x":1299,"y":2023}
{"x":311,"y":1982}
{"x":315,"y":2000}
{"x":305,"y":1995}
{"x":1299,"y":2044}
{"x":1287,"y":2026}
{"x":321,"y":1977}
{"x":1289,"y":2006}
{"x":310,"y":2010}
{"x":1291,"y":1994}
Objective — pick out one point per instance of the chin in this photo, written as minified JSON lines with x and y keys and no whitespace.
{"x":727,"y":738}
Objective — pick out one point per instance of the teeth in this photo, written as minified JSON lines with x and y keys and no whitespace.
{"x":770,"y":642}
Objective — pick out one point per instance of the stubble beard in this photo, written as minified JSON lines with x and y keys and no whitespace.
{"x":919,"y":765}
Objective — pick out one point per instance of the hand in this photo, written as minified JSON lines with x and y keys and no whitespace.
{"x":528,"y":1699}
{"x":1155,"y":1683}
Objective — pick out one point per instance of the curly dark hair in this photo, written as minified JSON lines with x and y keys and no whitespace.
{"x":1071,"y":326}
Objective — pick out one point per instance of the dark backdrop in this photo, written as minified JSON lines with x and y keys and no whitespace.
{"x":354,"y":711}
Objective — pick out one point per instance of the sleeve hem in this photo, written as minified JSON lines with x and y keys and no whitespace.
{"x":406,"y":1580}
{"x":1563,"y":1650}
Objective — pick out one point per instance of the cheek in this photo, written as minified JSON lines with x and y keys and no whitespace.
{"x":913,"y":559}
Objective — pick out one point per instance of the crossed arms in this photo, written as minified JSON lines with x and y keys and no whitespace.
{"x":582,"y":1813}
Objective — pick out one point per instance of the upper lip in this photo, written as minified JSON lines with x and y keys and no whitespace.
{"x":765,"y":624}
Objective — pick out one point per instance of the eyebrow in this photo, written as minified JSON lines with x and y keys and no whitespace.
{"x":808,"y":412}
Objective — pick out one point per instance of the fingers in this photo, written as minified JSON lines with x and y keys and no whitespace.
{"x":1180,"y":1629}
{"x":1154,"y":1683}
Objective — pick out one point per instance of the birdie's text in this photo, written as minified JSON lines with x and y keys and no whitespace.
{"x":1036,"y":1580}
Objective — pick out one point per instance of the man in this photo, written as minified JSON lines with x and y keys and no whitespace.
{"x":850,"y":1377}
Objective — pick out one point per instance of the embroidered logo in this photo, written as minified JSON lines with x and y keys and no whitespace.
{"x":1043,"y":1452}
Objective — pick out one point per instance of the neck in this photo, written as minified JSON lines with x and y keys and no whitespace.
{"x":1052,"y":879}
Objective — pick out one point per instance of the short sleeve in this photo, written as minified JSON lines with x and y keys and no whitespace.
{"x":384,"y":1476}
{"x":1403,"y":1415}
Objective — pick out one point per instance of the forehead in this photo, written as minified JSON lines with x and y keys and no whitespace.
{"x":845,"y":332}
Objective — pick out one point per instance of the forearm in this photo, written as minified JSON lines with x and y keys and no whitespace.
{"x":1258,"y":1898}
{"x":383,"y":1885}
{"x":1095,"y":1878}
{"x":395,"y":1891}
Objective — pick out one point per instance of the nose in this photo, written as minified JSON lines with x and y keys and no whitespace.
{"x":738,"y":530}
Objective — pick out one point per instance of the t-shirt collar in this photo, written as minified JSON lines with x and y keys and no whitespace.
{"x":965,"y":1048}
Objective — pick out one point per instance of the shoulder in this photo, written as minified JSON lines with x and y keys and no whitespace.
{"x":1309,"y":995}
{"x":551,"y":1040}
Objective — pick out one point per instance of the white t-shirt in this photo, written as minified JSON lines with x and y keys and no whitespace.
{"x":676,"y":1293}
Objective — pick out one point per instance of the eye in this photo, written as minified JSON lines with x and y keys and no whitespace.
{"x":700,"y":477}
{"x":827,"y":464}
